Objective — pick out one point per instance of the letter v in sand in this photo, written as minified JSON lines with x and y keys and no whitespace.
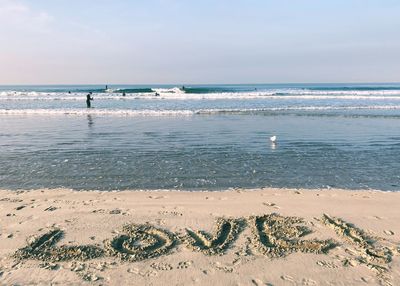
{"x":225,"y":233}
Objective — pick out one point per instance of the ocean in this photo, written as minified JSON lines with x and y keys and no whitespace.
{"x":200,"y":137}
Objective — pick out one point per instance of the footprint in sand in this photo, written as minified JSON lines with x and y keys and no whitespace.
{"x":273,"y":205}
{"x":173,"y":213}
{"x":149,"y":273}
{"x":161,"y":266}
{"x":308,"y":282}
{"x":133,"y":270}
{"x":269,"y":204}
{"x":91,"y":277}
{"x":50,"y":209}
{"x":366,"y":279}
{"x":258,"y":282}
{"x":224,"y":268}
{"x":184,"y":264}
{"x":157,"y":197}
{"x":327,"y":264}
{"x":388,"y":232}
{"x":208,"y":271}
{"x":287,"y":278}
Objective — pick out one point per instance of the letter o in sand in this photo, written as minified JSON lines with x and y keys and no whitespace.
{"x":140,"y":242}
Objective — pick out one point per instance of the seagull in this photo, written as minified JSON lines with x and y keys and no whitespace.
{"x":273,"y":139}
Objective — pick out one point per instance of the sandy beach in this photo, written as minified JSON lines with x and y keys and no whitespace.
{"x":216,"y":143}
{"x":235,"y":237}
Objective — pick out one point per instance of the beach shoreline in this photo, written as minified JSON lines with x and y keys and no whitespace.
{"x":107,"y":238}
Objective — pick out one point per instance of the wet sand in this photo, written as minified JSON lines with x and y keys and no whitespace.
{"x":235,"y":237}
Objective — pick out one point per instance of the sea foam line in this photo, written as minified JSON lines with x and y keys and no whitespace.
{"x":177,"y":94}
{"x":148,"y":112}
{"x":198,"y":97}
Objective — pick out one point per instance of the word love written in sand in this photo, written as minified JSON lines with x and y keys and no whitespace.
{"x":272,"y":235}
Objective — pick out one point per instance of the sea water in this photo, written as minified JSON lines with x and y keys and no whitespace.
{"x":200,"y":137}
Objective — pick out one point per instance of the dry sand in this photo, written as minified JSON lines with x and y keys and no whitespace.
{"x":236,"y":237}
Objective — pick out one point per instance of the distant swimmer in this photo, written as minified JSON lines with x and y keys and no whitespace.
{"x":69,"y":92}
{"x":88,"y":99}
{"x":123,"y":94}
{"x":157,"y":94}
{"x":183,"y":87}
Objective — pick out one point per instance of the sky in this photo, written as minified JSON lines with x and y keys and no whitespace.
{"x":207,"y":41}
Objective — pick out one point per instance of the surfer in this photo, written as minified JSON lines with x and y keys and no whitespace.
{"x":106,"y":87}
{"x":88,"y":99}
{"x":123,"y":94}
{"x":183,"y":87}
{"x":157,"y":94}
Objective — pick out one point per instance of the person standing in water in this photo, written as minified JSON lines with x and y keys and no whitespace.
{"x":88,"y":99}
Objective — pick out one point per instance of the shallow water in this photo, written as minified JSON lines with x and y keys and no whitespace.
{"x":215,"y":151}
{"x":201,"y":137}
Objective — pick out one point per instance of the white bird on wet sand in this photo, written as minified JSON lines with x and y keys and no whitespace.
{"x":273,"y":139}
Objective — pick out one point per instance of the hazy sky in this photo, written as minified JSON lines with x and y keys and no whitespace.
{"x":202,"y":41}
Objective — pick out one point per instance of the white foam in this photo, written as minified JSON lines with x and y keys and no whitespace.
{"x":167,"y":91}
{"x":178,"y":94}
{"x":149,"y":112}
{"x":123,"y":112}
